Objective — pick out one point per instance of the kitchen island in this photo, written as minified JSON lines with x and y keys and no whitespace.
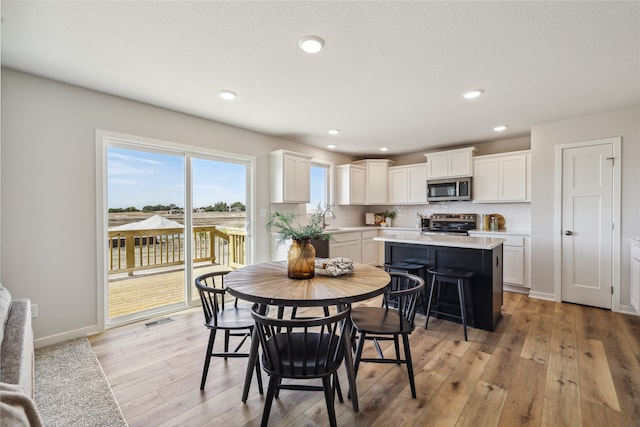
{"x":481,"y":255}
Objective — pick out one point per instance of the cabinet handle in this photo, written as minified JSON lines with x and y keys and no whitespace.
{"x":568,"y":233}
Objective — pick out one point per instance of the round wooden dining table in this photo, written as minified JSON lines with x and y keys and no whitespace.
{"x":267,"y":284}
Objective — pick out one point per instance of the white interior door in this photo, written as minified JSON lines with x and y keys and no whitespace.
{"x":587,"y":224}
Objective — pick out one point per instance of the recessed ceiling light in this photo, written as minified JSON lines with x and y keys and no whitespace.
{"x":384,"y":148}
{"x":499,"y":128}
{"x":334,"y":131}
{"x":228,"y":95}
{"x":311,"y":44}
{"x":472,"y":94}
{"x":332,"y":146}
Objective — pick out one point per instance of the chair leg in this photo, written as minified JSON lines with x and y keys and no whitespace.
{"x":328,"y":397}
{"x":397,"y":346}
{"x":207,"y":359}
{"x":356,"y":361}
{"x":463,"y":308}
{"x":336,"y":387}
{"x":259,"y":376}
{"x":273,"y":381}
{"x":226,"y":341}
{"x":433,"y":285}
{"x":407,"y":356}
{"x":277,"y":392}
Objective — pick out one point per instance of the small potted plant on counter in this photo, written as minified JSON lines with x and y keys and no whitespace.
{"x":388,"y":217}
{"x":302,"y":255}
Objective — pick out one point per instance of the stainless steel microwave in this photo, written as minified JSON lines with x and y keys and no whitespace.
{"x":449,"y":189}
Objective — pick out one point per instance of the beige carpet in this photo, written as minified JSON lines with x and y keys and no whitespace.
{"x":71,"y":388}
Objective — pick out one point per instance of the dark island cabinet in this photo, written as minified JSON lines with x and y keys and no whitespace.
{"x":485,"y":285}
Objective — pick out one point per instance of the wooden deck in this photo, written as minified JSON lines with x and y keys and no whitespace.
{"x":144,"y":291}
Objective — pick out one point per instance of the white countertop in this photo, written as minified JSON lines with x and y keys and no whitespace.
{"x":418,"y":238}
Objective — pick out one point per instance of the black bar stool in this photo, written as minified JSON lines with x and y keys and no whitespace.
{"x":409,"y":268}
{"x":459,"y":278}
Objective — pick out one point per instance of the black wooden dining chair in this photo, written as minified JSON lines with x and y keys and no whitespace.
{"x":235,"y":321}
{"x":300,"y":349}
{"x":390,"y":322}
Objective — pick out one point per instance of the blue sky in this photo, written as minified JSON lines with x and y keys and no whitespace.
{"x":140,"y":178}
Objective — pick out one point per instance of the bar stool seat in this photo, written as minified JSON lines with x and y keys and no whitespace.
{"x":447,"y":276}
{"x":409,"y":268}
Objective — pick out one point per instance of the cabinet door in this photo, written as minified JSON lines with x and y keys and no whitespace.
{"x":485,"y":180}
{"x":354,"y":250}
{"x":513,"y":178}
{"x":398,"y":185}
{"x":376,"y":187}
{"x":417,"y":184}
{"x":357,"y":186}
{"x":370,"y":251}
{"x":460,"y":164}
{"x":513,"y":265}
{"x":438,"y":166}
{"x":350,"y":185}
{"x":290,"y":178}
{"x":337,"y":250}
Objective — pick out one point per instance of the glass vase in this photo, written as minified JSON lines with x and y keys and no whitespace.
{"x":302,"y":259}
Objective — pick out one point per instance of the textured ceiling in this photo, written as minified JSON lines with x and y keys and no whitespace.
{"x":391,"y":73}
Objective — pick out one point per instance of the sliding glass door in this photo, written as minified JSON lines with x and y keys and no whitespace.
{"x":172,"y":215}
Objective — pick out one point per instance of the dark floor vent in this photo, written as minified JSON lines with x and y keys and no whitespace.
{"x":158,"y":322}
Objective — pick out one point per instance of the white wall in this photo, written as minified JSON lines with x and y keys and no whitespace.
{"x":48,"y":191}
{"x":544,"y":138}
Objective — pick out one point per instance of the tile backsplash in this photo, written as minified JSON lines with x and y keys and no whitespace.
{"x":517,"y":215}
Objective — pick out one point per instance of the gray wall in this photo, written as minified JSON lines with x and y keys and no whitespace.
{"x":49,"y":193}
{"x":544,"y":138}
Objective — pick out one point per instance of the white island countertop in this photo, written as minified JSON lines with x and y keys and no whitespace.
{"x":418,"y":238}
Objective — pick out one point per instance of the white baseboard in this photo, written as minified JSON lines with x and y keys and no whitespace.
{"x":628,"y":309}
{"x":542,"y":295}
{"x":65,"y":336}
{"x":516,"y":289}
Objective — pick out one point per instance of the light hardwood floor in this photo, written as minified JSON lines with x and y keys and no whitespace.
{"x":547,"y":364}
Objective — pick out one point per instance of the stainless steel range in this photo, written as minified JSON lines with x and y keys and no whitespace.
{"x":458,"y":224}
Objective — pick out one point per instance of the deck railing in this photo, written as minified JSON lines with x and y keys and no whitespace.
{"x":136,"y":250}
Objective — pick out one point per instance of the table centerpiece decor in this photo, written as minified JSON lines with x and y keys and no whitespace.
{"x":302,"y":255}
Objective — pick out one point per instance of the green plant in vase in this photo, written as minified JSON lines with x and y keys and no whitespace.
{"x":389,"y":216}
{"x":302,"y":255}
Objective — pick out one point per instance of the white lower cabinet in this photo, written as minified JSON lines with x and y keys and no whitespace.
{"x":370,"y":248}
{"x":348,"y":245}
{"x":515,"y":257}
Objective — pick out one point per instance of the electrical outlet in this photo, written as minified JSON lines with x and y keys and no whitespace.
{"x":263,"y":213}
{"x":34,"y":311}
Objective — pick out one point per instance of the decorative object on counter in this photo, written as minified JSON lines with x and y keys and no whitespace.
{"x":302,"y":254}
{"x":334,"y":266}
{"x":493,"y":222}
{"x":370,"y":218}
{"x":388,"y":217}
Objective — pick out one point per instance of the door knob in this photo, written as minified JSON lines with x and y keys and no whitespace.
{"x":568,"y":233}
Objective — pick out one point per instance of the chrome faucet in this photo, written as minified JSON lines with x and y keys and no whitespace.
{"x":323,"y":214}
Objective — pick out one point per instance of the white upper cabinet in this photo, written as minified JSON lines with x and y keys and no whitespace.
{"x":450,"y":163}
{"x":290,"y":177}
{"x":376,"y":186}
{"x":408,"y":184}
{"x":502,"y":177}
{"x":350,"y":185}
